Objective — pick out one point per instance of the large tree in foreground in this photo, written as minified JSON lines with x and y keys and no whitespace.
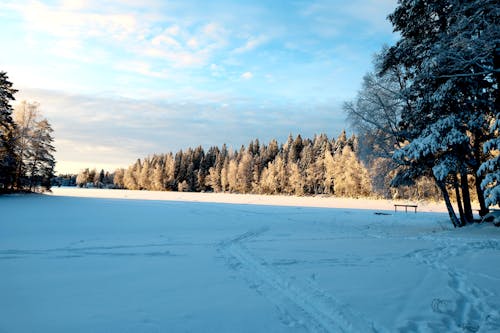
{"x":447,"y":50}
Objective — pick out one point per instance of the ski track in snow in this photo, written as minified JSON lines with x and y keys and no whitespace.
{"x":152,"y":250}
{"x":468,"y":311}
{"x":301,"y":304}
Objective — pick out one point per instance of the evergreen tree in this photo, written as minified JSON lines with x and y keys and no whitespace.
{"x":118,"y":178}
{"x":491,"y":168}
{"x":41,"y":162}
{"x":34,"y":150}
{"x":232,"y":176}
{"x":296,"y":179}
{"x":158,"y":175}
{"x":7,"y":138}
{"x":224,"y":175}
{"x":447,"y":53}
{"x":330,"y":173}
{"x":244,"y":174}
{"x":145,"y":175}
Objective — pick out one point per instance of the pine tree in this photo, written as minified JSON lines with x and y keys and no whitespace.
{"x":223,"y":175}
{"x":491,"y":168}
{"x":296,"y":179}
{"x":158,"y":175}
{"x":131,"y":176}
{"x":232,"y":176}
{"x":145,"y":175}
{"x":34,"y":150}
{"x":118,"y":178}
{"x":244,"y":175}
{"x":447,"y":53}
{"x":7,"y":138}
{"x":329,"y":177}
{"x":41,"y":163}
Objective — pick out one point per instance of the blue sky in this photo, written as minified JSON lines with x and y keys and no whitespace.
{"x":120,"y":80}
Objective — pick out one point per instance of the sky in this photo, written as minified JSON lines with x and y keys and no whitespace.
{"x":121,"y":80}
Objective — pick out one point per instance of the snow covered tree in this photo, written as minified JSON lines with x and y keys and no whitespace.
{"x":491,"y":168}
{"x":244,"y":174}
{"x":7,"y":138}
{"x":350,"y":177}
{"x":296,"y":179}
{"x":224,"y":183}
{"x":435,"y":152}
{"x":447,"y":53}
{"x":34,"y":150}
{"x":145,"y":175}
{"x":232,"y":175}
{"x":26,"y":115}
{"x":330,"y":173}
{"x":82,"y":178}
{"x":158,"y":174}
{"x":131,"y":176}
{"x":41,"y":162}
{"x":118,"y":178}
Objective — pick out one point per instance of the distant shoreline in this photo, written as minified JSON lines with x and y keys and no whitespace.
{"x":251,"y":199}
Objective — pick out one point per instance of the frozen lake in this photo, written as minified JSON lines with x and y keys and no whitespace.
{"x":120,"y":263}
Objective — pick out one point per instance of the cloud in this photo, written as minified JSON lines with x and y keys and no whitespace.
{"x":251,"y":44}
{"x":183,"y":64}
{"x":332,"y":19}
{"x":143,"y":68}
{"x":88,"y":27}
{"x":247,"y":75}
{"x":92,"y":130}
{"x":77,"y":22}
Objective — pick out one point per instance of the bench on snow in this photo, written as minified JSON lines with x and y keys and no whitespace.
{"x":405,"y":206}
{"x":493,"y":216}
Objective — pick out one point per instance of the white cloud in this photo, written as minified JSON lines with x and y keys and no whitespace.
{"x":173,"y":30}
{"x":217,"y":70}
{"x":193,"y":43}
{"x":247,"y":75}
{"x":251,"y":44}
{"x":331,"y":19}
{"x":141,"y":67}
{"x":165,"y":40}
{"x":75,"y":22}
{"x":121,"y":30}
{"x":114,"y":131}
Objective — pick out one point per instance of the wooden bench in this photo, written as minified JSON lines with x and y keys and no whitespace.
{"x":405,"y":206}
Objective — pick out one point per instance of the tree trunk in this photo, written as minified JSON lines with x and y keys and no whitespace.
{"x":466,"y":195}
{"x":483,"y":210}
{"x":449,"y":207}
{"x":476,"y":148}
{"x":33,"y":170}
{"x":463,"y":220}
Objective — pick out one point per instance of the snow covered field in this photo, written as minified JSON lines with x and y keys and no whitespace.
{"x":125,"y":261}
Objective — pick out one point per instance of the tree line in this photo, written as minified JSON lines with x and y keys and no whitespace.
{"x":297,"y":167}
{"x":429,"y":108}
{"x":26,"y":144}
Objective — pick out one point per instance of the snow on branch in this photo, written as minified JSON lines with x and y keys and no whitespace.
{"x":436,"y":138}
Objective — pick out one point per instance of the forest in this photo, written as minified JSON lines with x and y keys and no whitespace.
{"x":297,"y":167}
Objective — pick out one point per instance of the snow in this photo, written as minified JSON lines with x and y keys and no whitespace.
{"x":128,"y":261}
